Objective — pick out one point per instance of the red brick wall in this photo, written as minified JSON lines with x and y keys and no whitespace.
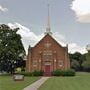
{"x":59,"y":55}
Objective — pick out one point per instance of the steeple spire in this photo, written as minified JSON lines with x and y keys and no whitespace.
{"x":48,"y":29}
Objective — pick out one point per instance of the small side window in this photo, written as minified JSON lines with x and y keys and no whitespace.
{"x":60,"y":63}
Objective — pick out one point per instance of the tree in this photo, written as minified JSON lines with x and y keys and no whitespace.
{"x":11,"y":48}
{"x":80,"y":58}
{"x":86,"y":64}
{"x":75,"y":65}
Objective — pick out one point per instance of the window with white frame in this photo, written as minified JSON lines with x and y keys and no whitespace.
{"x":35,"y":63}
{"x":60,"y":63}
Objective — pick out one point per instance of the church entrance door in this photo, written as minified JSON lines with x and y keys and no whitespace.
{"x":47,"y":70}
{"x":47,"y":62}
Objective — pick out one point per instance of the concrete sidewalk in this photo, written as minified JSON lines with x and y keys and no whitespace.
{"x":37,"y":84}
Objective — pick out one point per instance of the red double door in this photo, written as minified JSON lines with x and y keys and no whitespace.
{"x":47,"y":71}
{"x":47,"y":58}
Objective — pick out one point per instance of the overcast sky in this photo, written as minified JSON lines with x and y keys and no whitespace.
{"x":70,"y":20}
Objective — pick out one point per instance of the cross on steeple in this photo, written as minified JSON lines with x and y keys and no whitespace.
{"x":48,"y":29}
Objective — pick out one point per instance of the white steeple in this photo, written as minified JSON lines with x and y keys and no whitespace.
{"x":48,"y":29}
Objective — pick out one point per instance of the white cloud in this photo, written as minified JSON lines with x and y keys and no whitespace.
{"x":82,"y":10}
{"x":3,"y":9}
{"x":30,"y":38}
{"x":60,"y":38}
{"x":73,"y":47}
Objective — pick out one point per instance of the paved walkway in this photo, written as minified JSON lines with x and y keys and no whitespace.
{"x":36,"y":84}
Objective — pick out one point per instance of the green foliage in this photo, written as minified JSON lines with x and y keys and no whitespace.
{"x":75,"y":65}
{"x":57,"y":73}
{"x":10,"y":48}
{"x":86,"y":64}
{"x":77,"y":60}
{"x":25,"y":73}
{"x":69,"y":72}
{"x":37,"y":73}
{"x":34,"y":73}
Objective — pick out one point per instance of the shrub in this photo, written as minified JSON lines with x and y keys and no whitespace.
{"x":25,"y":73}
{"x":34,"y":73}
{"x":37,"y":73}
{"x":69,"y":72}
{"x":57,"y":73}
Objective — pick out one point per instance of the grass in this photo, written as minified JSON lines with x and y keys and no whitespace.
{"x":7,"y":83}
{"x":80,"y":82}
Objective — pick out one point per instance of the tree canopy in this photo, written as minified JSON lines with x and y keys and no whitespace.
{"x":86,"y":63}
{"x":77,"y":59}
{"x":11,"y":47}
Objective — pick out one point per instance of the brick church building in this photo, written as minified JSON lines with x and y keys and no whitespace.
{"x":47,"y":55}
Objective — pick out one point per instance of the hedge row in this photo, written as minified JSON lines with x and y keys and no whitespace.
{"x":34,"y":73}
{"x":69,"y":72}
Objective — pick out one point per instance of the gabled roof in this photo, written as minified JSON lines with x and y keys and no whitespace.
{"x":50,"y":37}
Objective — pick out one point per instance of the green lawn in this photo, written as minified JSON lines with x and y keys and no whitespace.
{"x":79,"y":82}
{"x":7,"y":83}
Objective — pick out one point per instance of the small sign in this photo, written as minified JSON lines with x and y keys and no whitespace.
{"x":18,"y":77}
